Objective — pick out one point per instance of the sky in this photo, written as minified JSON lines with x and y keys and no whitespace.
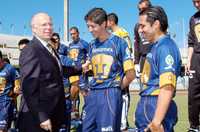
{"x":15,"y":15}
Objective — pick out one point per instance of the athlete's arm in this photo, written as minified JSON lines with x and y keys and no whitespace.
{"x":190,"y":52}
{"x":129,"y":76}
{"x":168,"y":69}
{"x":164,"y":99}
{"x":128,"y":40}
{"x":191,"y":42}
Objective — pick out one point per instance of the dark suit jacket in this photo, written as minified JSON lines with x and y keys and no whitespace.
{"x":42,"y":84}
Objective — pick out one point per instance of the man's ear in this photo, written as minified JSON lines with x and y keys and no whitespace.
{"x":33,"y":28}
{"x":104,"y":24}
{"x":157,"y":24}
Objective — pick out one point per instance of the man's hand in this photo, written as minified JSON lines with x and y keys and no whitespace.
{"x":187,"y":68}
{"x":153,"y":127}
{"x":17,"y":86}
{"x":84,"y":92}
{"x":46,"y":125}
{"x":137,"y":70}
{"x":85,"y":66}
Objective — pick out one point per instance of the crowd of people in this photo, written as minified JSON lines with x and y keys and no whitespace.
{"x":52,"y":76}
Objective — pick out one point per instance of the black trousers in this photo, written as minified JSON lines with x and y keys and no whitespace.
{"x":194,"y":92}
{"x":26,"y":123}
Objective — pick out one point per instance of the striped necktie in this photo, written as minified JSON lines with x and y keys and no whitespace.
{"x":50,"y":49}
{"x":53,"y":52}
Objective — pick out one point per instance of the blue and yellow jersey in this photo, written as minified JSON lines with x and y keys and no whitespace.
{"x":78,"y":52}
{"x":63,"y":50}
{"x":8,"y":75}
{"x":110,"y":60}
{"x":17,"y":88}
{"x":63,"y":55}
{"x":65,"y":61}
{"x":122,"y":33}
{"x":162,"y":66}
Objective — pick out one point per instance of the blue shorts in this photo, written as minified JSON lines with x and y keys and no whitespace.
{"x":6,"y":114}
{"x":145,"y":112}
{"x":102,"y":110}
{"x":83,"y":82}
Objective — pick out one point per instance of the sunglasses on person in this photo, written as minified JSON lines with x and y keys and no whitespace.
{"x":55,"y":40}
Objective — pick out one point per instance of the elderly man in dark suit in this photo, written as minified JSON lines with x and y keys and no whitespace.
{"x":42,"y":81}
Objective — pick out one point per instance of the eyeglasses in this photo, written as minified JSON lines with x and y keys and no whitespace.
{"x":54,"y":39}
{"x":73,"y":33}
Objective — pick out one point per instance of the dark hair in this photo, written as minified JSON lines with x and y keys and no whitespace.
{"x":148,"y":2}
{"x":1,"y":56}
{"x":23,"y":41}
{"x":57,"y":35}
{"x":113,"y":17}
{"x":156,"y":13}
{"x":96,"y":15}
{"x":6,"y":60}
{"x":74,"y":28}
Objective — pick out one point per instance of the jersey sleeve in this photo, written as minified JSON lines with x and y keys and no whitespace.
{"x":14,"y":74}
{"x":90,"y":46}
{"x":86,"y":46}
{"x":166,"y":63}
{"x":16,"y":81}
{"x":125,"y":54}
{"x":191,"y":35}
{"x":66,"y":61}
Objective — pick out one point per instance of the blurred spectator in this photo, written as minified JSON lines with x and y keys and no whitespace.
{"x":112,"y":23}
{"x":141,"y":45}
{"x":192,"y":68}
{"x":8,"y":84}
{"x":22,"y":43}
{"x":77,"y":51}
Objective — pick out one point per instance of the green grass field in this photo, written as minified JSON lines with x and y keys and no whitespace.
{"x":181,"y":101}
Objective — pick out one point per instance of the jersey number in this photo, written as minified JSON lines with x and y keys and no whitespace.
{"x":101,"y":65}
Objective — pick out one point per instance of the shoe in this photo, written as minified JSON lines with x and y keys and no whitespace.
{"x":193,"y":130}
{"x":13,"y":130}
{"x":124,"y":129}
{"x":132,"y":130}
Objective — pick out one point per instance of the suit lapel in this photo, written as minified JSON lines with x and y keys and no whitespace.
{"x":40,"y":46}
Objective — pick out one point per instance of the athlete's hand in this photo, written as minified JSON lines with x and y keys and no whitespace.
{"x":154,"y":127}
{"x":84,"y":92}
{"x":17,"y":87}
{"x":137,"y":70}
{"x":187,"y":68}
{"x":85,"y":66}
{"x":46,"y":125}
